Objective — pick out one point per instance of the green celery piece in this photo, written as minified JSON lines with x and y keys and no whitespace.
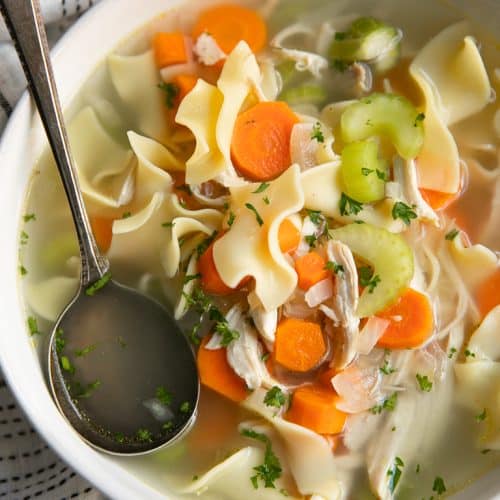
{"x":307,"y":93}
{"x":387,"y":115}
{"x":367,"y":39}
{"x":390,"y":256}
{"x":287,"y":71}
{"x":360,"y":163}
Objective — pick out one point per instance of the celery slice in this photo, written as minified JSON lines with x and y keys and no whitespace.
{"x":308,"y":93}
{"x":391,"y":258}
{"x":363,"y":172}
{"x":369,"y":40}
{"x":387,"y":115}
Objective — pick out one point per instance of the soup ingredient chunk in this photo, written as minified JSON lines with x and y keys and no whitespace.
{"x":299,"y":345}
{"x":169,"y":48}
{"x":311,"y":269}
{"x":387,"y":115}
{"x":315,"y":407}
{"x":288,"y":236}
{"x":260,"y":146}
{"x":391,"y":259}
{"x":363,"y":172}
{"x":411,"y":321}
{"x":216,"y":373}
{"x":488,"y":293}
{"x":229,"y":24}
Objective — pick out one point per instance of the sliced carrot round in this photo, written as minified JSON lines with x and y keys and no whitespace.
{"x":169,"y":48}
{"x":260,"y":146}
{"x":488,"y":293}
{"x":411,"y":321}
{"x":437,"y":199}
{"x":310,"y":270}
{"x":288,"y":236}
{"x":184,"y":84}
{"x":315,"y":407}
{"x":216,"y":373}
{"x":102,"y":227}
{"x":229,"y":24}
{"x":299,"y":345}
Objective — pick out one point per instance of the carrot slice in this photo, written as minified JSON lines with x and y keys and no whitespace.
{"x":437,"y":199}
{"x":229,"y":24}
{"x":315,"y":407}
{"x":488,"y":293}
{"x":260,"y":146}
{"x":184,"y":84}
{"x":310,"y":269}
{"x":299,"y":344}
{"x":216,"y":373}
{"x":411,"y":321}
{"x":102,"y":227}
{"x":288,"y":236}
{"x":169,"y":48}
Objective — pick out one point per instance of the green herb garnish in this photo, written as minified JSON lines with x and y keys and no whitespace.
{"x":100,"y":283}
{"x":419,"y":118}
{"x":163,"y":396}
{"x":144,"y":435}
{"x":382,"y":175}
{"x":60,"y":341}
{"x":24,"y":237}
{"x":257,"y":215}
{"x":23,"y":271}
{"x":171,"y":92}
{"x":316,"y":216}
{"x":334,"y":267}
{"x":394,"y":473}
{"x":33,"y":326}
{"x":367,"y":279}
{"x":452,"y":352}
{"x":311,"y":240}
{"x":83,"y":392}
{"x":270,"y":470}
{"x":388,"y":404}
{"x":451,"y":235}
{"x":349,"y":206}
{"x":29,"y":217}
{"x":275,"y":397}
{"x":262,"y":187}
{"x":167,"y":426}
{"x":469,"y":354}
{"x":386,"y":369}
{"x":226,"y":333}
{"x":317,"y":133}
{"x":185,"y":407}
{"x":266,"y":200}
{"x":80,"y":353}
{"x":126,"y":215}
{"x":481,"y":416}
{"x":66,"y":364}
{"x":404,"y":212}
{"x":439,"y":486}
{"x":230,"y":220}
{"x":168,"y":224}
{"x":191,"y":277}
{"x":366,"y":171}
{"x":424,"y":383}
{"x":200,"y":249}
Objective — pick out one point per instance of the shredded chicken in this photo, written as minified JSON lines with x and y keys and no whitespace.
{"x":265,"y":321}
{"x":345,"y":300}
{"x":363,"y":76}
{"x":405,"y":174}
{"x":207,"y":50}
{"x":303,"y":148}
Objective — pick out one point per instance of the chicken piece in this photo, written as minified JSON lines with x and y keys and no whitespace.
{"x":345,"y":301}
{"x":266,"y":322}
{"x":207,"y":50}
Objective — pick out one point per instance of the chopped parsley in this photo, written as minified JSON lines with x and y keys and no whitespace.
{"x":227,"y":334}
{"x":191,"y":277}
{"x":481,"y":416}
{"x":366,"y":171}
{"x":262,"y":187}
{"x":168,"y":224}
{"x":367,"y":279}
{"x":317,"y":133}
{"x":419,"y":118}
{"x":417,"y":469}
{"x":257,"y":215}
{"x":33,"y":326}
{"x":311,"y":240}
{"x":66,"y":364}
{"x":23,"y":271}
{"x":404,"y":212}
{"x":230,"y":220}
{"x":80,"y":353}
{"x":24,"y":237}
{"x":452,"y":352}
{"x":200,"y":249}
{"x":394,"y":473}
{"x":439,"y":486}
{"x":171,"y":92}
{"x":29,"y":217}
{"x":119,"y":437}
{"x":451,"y":235}
{"x":424,"y":383}
{"x":83,"y":392}
{"x":167,"y":426}
{"x":270,"y":470}
{"x":266,"y":200}
{"x":100,"y":283}
{"x":315,"y":216}
{"x":334,"y":267}
{"x":469,"y":354}
{"x":349,"y":206}
{"x":275,"y":397}
{"x":126,"y":215}
{"x":59,"y":340}
{"x":163,"y":396}
{"x":382,"y":175}
{"x":144,"y":435}
{"x":485,"y":451}
{"x":386,"y":369}
{"x":185,"y":407}
{"x":388,"y":404}
{"x":265,"y":357}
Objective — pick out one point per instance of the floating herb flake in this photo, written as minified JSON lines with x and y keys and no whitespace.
{"x":231,"y":219}
{"x":451,"y":235}
{"x":386,"y":369}
{"x":275,"y":397}
{"x":126,"y":215}
{"x":452,"y":352}
{"x":316,"y":216}
{"x":28,"y":217}
{"x":185,"y":407}
{"x":367,"y":279}
{"x":349,"y":206}
{"x":33,"y":326}
{"x":257,"y":215}
{"x":163,"y":396}
{"x":171,"y":92}
{"x":23,"y":271}
{"x":100,"y":283}
{"x":262,"y":187}
{"x":334,"y":267}
{"x":80,"y":353}
{"x":144,"y":435}
{"x":481,"y":416}
{"x":424,"y":383}
{"x":439,"y":486}
{"x":191,"y":277}
{"x":24,"y":238}
{"x":317,"y":133}
{"x":66,"y":364}
{"x":226,"y":333}
{"x":419,"y":118}
{"x":366,"y":171}
{"x":404,"y":212}
{"x":394,"y":474}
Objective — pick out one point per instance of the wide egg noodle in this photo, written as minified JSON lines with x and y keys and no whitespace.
{"x":250,"y":249}
{"x":233,"y":475}
{"x":136,"y":80}
{"x":452,"y":77}
{"x":105,"y":168}
{"x":309,"y":455}
{"x":322,"y":186}
{"x":479,"y":379}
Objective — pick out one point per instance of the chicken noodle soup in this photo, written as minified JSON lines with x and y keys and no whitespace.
{"x":312,"y":187}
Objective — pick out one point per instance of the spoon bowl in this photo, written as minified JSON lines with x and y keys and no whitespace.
{"x":121,"y":371}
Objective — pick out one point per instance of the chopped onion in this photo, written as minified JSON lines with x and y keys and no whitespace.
{"x":370,"y":334}
{"x":319,"y":292}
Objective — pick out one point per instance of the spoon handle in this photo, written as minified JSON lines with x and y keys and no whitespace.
{"x":25,"y":23}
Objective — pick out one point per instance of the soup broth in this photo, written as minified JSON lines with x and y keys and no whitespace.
{"x":423,"y":435}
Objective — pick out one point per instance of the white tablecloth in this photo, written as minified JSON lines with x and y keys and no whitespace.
{"x":28,"y":467}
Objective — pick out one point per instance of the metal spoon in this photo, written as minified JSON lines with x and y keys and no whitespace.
{"x":120,"y":370}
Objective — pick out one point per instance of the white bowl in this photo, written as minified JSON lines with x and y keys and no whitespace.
{"x":75,"y":56}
